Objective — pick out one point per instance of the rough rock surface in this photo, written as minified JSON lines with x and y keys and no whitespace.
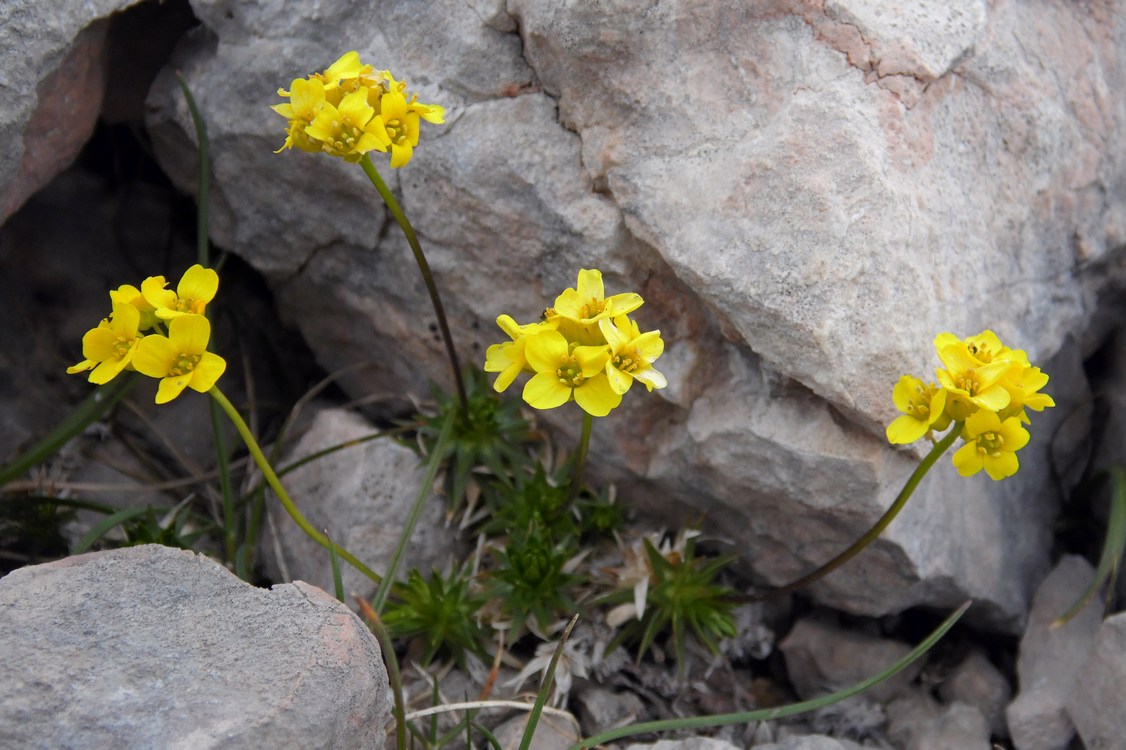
{"x":362,"y":495}
{"x":822,"y":658}
{"x":804,"y":192}
{"x":976,"y":682}
{"x":52,"y":71}
{"x":810,"y":742}
{"x":155,"y":647}
{"x":1095,"y":703}
{"x":1051,"y":662}
{"x":916,"y":721}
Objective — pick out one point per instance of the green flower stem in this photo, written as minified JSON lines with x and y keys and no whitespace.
{"x":767,"y":714}
{"x":279,"y":490}
{"x":874,"y":532}
{"x":1113,"y":544}
{"x":545,"y":686}
{"x":394,"y":676}
{"x":104,"y":398}
{"x":580,"y":458}
{"x":424,"y":492}
{"x":427,"y":277}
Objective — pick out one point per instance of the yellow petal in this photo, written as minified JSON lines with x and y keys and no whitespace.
{"x":544,"y":391}
{"x":1005,"y":464}
{"x":170,"y":388}
{"x":190,"y":333}
{"x":905,"y":429}
{"x":968,"y":460}
{"x":596,"y":397}
{"x":546,"y":351}
{"x":155,"y":356}
{"x":199,"y":284}
{"x":209,"y":369}
{"x":590,"y":285}
{"x":619,"y":381}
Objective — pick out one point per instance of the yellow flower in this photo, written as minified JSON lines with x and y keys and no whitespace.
{"x":306,"y":100}
{"x":587,"y":303}
{"x":197,"y":287}
{"x":632,"y":354}
{"x":180,"y":359}
{"x":350,"y":130}
{"x":564,"y":372}
{"x":351,"y":109}
{"x":508,"y":358}
{"x":398,"y":126}
{"x":434,"y":113}
{"x":1024,"y":394}
{"x":984,"y":347}
{"x":110,"y":347}
{"x":970,"y":384}
{"x":127,"y":294}
{"x":922,"y":406}
{"x":991,"y":445}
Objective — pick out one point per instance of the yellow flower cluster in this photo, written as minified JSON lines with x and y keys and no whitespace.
{"x":131,"y":337}
{"x":586,"y":348}
{"x":983,"y":386}
{"x":351,"y":109}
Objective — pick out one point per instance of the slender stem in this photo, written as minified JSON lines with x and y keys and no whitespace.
{"x":580,"y":458}
{"x":545,"y":686}
{"x":279,"y":490}
{"x":424,"y":492}
{"x":768,"y":714}
{"x":394,"y":677}
{"x":874,"y":532}
{"x":427,"y":277}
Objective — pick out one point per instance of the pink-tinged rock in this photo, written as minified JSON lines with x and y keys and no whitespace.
{"x":156,"y":647}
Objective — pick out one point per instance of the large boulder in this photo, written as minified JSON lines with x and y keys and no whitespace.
{"x":805,"y":193}
{"x":156,"y":647}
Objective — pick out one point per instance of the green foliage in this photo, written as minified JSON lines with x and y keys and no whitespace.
{"x":533,"y":577}
{"x":683,"y":595}
{"x":601,"y":516}
{"x":442,"y":611}
{"x":490,"y":433}
{"x":531,"y":500}
{"x":30,"y":529}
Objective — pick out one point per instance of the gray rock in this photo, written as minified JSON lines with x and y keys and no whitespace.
{"x":1095,"y":702}
{"x":53,"y":60}
{"x":601,"y":709}
{"x":362,"y":495}
{"x":1051,"y":661}
{"x":822,"y":658}
{"x":810,"y":742}
{"x":688,"y":743}
{"x":155,"y":647}
{"x":976,"y":682}
{"x":553,"y":732}
{"x":780,"y":183}
{"x":916,"y":721}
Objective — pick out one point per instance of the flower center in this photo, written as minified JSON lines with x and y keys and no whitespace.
{"x":396,"y":130}
{"x":184,"y":364}
{"x":990,"y":443}
{"x":627,"y":361}
{"x":592,"y":309}
{"x":345,"y":135}
{"x":968,"y":382}
{"x":570,"y":374}
{"x":122,"y":347}
{"x":981,"y":351}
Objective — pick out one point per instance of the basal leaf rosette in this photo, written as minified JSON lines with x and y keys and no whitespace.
{"x":585,"y":349}
{"x":985,"y":389}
